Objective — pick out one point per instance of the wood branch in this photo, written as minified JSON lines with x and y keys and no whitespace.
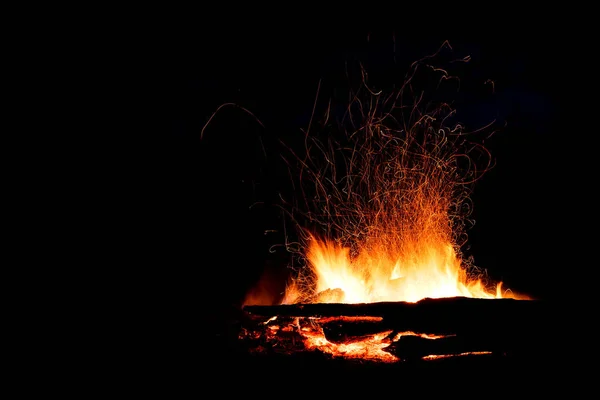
{"x":453,"y":315}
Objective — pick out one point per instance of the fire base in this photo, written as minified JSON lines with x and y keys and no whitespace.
{"x":396,"y":332}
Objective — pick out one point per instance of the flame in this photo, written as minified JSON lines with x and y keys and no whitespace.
{"x":386,"y":206}
{"x":414,"y":272}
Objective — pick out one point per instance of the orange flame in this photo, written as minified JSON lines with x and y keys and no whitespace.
{"x":389,"y":203}
{"x":415,"y":271}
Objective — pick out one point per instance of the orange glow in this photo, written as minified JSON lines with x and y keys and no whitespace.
{"x":370,"y":348}
{"x":442,"y":356}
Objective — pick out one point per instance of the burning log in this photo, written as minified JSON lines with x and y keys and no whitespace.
{"x":432,"y":316}
{"x":350,"y":329}
{"x":404,"y":331}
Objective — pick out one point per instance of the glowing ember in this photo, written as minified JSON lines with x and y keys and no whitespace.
{"x":282,"y":334}
{"x":442,"y":356}
{"x":370,"y":348}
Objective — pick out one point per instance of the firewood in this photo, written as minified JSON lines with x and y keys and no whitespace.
{"x":432,"y":316}
{"x":350,"y":329}
{"x":410,"y":347}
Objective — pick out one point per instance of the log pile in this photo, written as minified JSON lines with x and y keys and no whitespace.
{"x":430,"y":327}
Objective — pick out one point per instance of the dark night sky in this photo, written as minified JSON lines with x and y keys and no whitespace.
{"x":524,"y":232}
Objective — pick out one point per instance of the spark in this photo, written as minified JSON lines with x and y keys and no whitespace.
{"x":228,"y":105}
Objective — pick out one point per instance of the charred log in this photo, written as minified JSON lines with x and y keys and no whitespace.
{"x":409,"y":347}
{"x":456,"y":315}
{"x":350,"y":329}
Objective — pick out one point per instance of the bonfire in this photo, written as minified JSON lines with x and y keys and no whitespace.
{"x":383,"y":212}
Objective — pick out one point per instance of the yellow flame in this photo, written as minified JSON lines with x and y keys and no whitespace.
{"x":432,"y":270}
